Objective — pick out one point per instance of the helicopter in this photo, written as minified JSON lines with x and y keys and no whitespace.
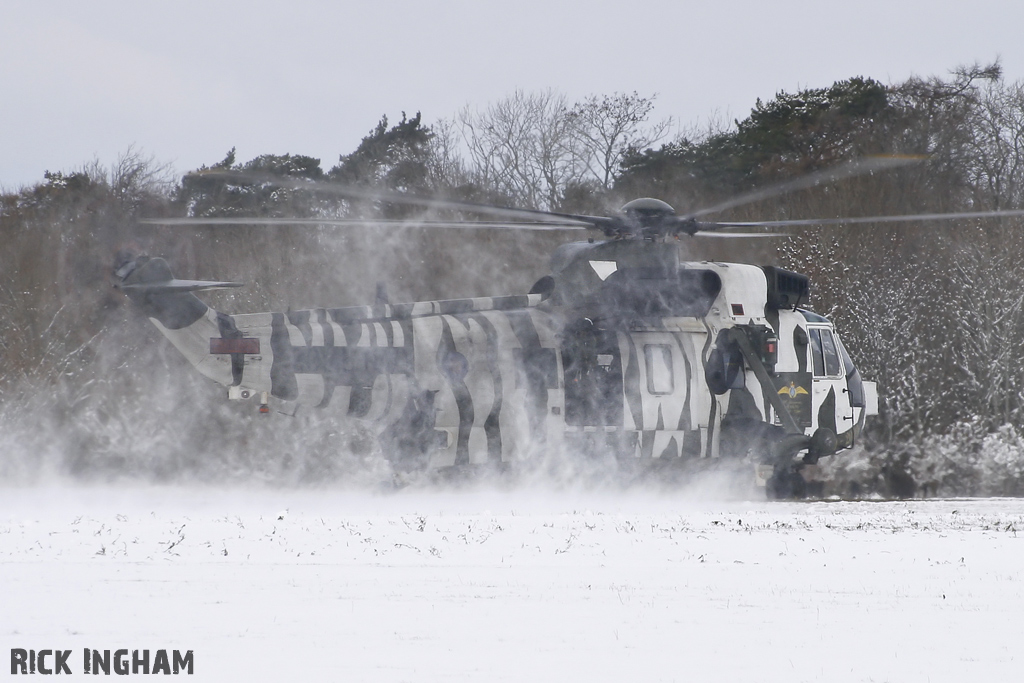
{"x":623,"y":349}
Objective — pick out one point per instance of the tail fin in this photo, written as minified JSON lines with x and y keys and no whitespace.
{"x":148,"y":282}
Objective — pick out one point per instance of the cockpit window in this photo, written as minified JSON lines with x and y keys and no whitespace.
{"x":853,"y":381}
{"x":848,"y":367}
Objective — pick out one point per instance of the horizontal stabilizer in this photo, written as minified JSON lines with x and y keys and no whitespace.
{"x":145,"y":275}
{"x":175,"y":286}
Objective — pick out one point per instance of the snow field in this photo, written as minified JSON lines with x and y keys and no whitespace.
{"x":516,"y":586}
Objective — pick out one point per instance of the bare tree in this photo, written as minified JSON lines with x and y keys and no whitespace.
{"x":606,"y":128}
{"x":136,"y":177}
{"x":996,"y":162}
{"x":523,"y":147}
{"x":541,"y":152}
{"x":446,"y":167}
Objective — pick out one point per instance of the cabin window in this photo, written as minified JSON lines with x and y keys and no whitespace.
{"x":817,"y":360}
{"x":658,"y":359}
{"x":833,"y":366}
{"x":824,"y":353}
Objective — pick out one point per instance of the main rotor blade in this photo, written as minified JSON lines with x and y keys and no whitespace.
{"x":741,"y":234}
{"x":870,"y":219}
{"x":406,"y":199}
{"x":849,"y":169}
{"x":345,"y":222}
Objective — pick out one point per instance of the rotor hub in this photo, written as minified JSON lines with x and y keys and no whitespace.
{"x":649,"y":217}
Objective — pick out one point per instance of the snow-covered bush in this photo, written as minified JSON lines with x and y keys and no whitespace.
{"x":1000,"y":463}
{"x":967,"y":460}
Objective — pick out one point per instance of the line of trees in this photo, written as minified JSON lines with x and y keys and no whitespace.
{"x":934,"y":311}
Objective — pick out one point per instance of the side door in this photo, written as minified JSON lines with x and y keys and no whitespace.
{"x":671,"y":422}
{"x":592,"y":374}
{"x":830,"y":399}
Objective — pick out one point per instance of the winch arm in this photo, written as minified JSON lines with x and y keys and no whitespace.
{"x":765,"y":379}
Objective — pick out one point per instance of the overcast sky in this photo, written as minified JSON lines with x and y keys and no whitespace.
{"x":185,"y":81}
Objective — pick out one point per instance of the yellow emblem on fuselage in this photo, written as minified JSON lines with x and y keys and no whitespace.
{"x":792,"y":390}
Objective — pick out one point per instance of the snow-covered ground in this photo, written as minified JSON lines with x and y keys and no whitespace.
{"x":516,"y":585}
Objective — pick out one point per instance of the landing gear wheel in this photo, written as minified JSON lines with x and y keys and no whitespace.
{"x":786,"y":483}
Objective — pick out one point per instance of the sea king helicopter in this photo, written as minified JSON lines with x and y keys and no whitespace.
{"x":622,"y":349}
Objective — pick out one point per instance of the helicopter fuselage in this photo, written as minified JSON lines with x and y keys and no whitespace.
{"x":624,"y":347}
